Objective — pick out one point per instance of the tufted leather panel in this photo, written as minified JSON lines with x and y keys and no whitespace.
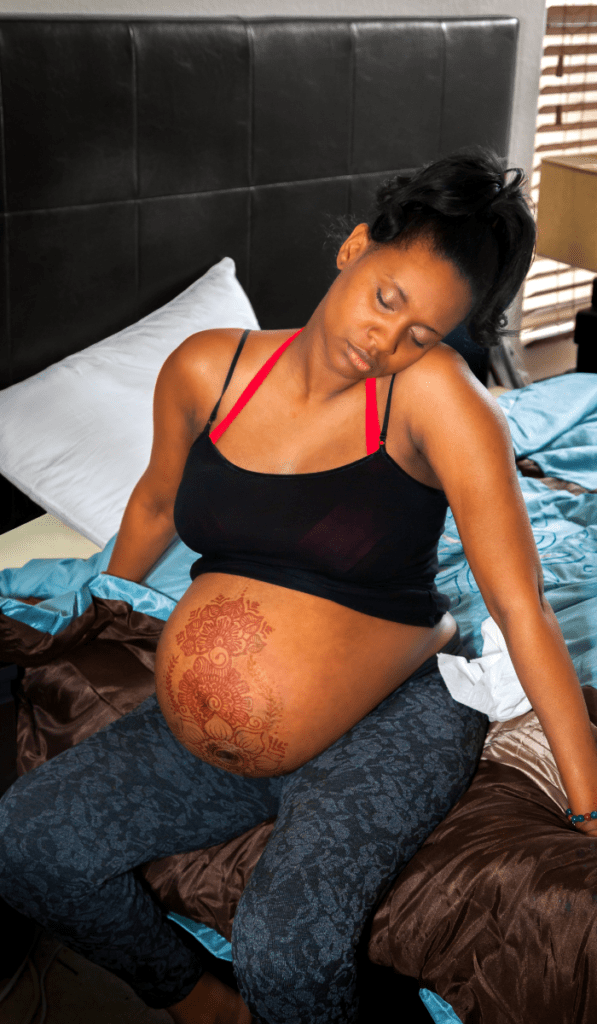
{"x":136,"y":153}
{"x":193,"y":82}
{"x":66,"y":141}
{"x":399,"y":104}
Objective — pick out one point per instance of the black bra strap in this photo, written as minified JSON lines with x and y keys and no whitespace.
{"x":386,"y":419}
{"x":239,"y":349}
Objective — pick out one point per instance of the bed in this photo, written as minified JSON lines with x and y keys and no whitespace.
{"x":162,"y":175}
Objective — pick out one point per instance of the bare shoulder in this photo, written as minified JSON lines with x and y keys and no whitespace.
{"x":445,"y":400}
{"x":206,"y":353}
{"x":195,"y":371}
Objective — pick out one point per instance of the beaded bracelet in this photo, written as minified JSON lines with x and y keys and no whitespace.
{"x":574,"y":818}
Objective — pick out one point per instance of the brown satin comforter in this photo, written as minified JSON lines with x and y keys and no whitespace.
{"x":497,"y":912}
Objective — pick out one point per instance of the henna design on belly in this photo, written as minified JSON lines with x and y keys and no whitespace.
{"x":211,"y":704}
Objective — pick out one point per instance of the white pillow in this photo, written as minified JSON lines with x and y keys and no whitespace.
{"x":77,"y":436}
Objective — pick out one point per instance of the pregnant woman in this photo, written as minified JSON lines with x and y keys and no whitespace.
{"x":297,"y":676}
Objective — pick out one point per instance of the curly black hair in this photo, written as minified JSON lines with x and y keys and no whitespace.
{"x":474,"y":212}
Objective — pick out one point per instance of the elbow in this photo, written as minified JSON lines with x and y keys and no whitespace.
{"x":520,"y":610}
{"x":518,"y":604}
{"x":152,"y":504}
{"x":545,"y":605}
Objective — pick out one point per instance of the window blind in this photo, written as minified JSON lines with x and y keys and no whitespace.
{"x":566,"y":124}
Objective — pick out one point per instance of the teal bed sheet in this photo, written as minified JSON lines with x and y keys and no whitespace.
{"x":554,"y":422}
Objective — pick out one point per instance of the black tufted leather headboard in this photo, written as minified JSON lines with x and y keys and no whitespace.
{"x":136,"y":153}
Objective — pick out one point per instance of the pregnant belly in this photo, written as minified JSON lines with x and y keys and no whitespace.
{"x":257,"y":679}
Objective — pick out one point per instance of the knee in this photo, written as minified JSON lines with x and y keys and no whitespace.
{"x":33,"y":866}
{"x":292,"y":963}
{"x":15,"y":856}
{"x":14,"y":822}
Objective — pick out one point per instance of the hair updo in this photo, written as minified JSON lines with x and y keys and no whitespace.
{"x":473,"y":214}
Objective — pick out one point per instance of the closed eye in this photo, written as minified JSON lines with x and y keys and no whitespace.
{"x":385,"y":305}
{"x":381,"y":301}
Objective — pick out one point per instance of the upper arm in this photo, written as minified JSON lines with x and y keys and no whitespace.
{"x":465,"y":437}
{"x":183,"y":391}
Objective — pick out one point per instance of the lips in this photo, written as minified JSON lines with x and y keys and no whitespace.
{"x":359,"y":358}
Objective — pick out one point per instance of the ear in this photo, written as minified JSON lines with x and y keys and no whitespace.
{"x":353,"y":246}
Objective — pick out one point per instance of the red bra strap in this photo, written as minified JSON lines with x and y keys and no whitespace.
{"x":372,"y":428}
{"x":250,"y":389}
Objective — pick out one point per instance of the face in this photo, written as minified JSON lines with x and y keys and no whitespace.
{"x":390,"y":305}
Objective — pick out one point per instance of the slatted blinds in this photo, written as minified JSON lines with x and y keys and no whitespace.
{"x":566,"y":124}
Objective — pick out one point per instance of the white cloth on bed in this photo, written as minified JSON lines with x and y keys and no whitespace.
{"x":488,"y":683}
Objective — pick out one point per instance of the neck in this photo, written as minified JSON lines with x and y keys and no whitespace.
{"x":314,"y":376}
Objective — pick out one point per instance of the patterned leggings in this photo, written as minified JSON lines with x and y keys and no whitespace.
{"x":73,"y":831}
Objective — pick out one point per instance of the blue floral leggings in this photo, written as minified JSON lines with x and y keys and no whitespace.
{"x":74,"y":830}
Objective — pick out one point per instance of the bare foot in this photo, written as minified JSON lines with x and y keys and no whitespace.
{"x":211,"y":1002}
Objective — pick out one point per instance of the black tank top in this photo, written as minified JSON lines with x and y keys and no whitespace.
{"x":364,"y":535}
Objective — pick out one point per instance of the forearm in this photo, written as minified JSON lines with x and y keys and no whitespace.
{"x":546,"y":672}
{"x":143,"y":536}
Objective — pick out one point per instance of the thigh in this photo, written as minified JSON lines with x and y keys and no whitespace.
{"x":128,"y":794}
{"x":349,"y":820}
{"x":385,"y":784}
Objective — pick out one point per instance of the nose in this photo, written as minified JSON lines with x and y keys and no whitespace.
{"x":382,"y":338}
